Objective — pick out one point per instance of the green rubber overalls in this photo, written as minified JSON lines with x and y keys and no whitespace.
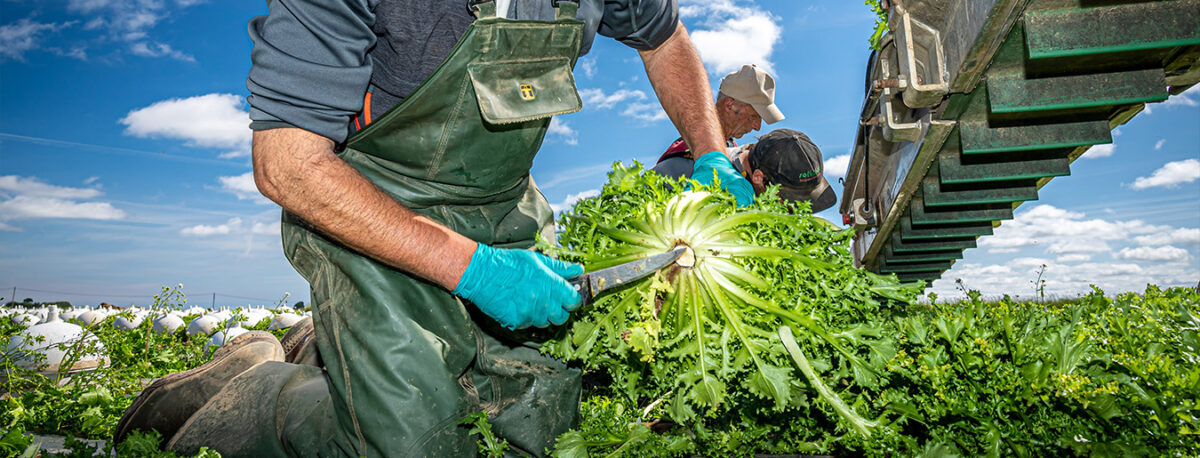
{"x":404,"y":358}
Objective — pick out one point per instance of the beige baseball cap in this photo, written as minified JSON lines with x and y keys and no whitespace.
{"x":753,"y":86}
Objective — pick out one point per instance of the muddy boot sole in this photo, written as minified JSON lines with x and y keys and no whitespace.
{"x":300,"y":344}
{"x":169,"y":401}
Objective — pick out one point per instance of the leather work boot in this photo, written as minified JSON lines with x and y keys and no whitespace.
{"x":168,"y":402}
{"x":300,"y":344}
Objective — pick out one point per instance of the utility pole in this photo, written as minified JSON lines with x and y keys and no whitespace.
{"x":214,"y":302}
{"x":14,"y":296}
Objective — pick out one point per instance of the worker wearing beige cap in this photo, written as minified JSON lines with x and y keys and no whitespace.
{"x":745,"y":99}
{"x":751,"y":86}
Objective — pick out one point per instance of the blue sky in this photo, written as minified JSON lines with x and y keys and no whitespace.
{"x":124,"y":153}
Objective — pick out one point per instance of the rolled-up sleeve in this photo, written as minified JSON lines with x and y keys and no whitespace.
{"x":640,"y":24}
{"x":309,"y":66}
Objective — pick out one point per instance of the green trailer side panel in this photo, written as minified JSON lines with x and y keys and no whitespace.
{"x":910,"y":232}
{"x":937,"y":266}
{"x":921,"y":215}
{"x":1013,"y":93}
{"x":923,"y":256}
{"x":910,"y":277}
{"x":978,"y":138}
{"x":1057,"y":79}
{"x":952,"y":170}
{"x":902,"y":246}
{"x":1107,"y":29}
{"x":936,"y":197}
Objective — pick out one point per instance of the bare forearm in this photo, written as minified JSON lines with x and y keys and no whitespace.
{"x":298,"y":170}
{"x":677,"y":74}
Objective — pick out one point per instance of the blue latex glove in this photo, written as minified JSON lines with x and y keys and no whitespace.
{"x":519,"y":288}
{"x":731,"y":180}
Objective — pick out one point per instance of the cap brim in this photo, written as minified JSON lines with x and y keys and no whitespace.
{"x":821,"y":195}
{"x":769,"y":113}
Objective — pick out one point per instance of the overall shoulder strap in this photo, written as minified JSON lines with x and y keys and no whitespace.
{"x":565,"y":9}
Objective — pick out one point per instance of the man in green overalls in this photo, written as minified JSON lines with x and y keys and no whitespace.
{"x":413,"y":230}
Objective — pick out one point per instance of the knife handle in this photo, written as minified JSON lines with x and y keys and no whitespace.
{"x":580,"y":284}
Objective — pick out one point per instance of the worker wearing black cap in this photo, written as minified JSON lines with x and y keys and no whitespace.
{"x":783,"y":157}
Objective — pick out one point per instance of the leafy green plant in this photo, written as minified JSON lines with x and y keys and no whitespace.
{"x":489,"y":444}
{"x":772,"y":309}
{"x":1039,"y":283}
{"x":89,"y":404}
{"x":618,"y":430}
{"x":147,"y":445}
{"x":704,"y":333}
{"x":14,"y":442}
{"x":1024,"y":379}
{"x":881,"y":23}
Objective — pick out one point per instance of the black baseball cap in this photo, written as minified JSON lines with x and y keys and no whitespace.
{"x":791,"y":160}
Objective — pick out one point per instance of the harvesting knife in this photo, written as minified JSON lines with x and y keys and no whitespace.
{"x":592,"y":284}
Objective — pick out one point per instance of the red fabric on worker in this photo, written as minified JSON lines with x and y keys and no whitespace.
{"x":677,"y":149}
{"x":680,"y":149}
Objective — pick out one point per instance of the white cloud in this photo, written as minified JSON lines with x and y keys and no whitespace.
{"x":1188,"y":98}
{"x":24,"y":198}
{"x":1063,"y":232}
{"x":730,"y":35}
{"x":572,"y":198}
{"x":588,"y":65}
{"x":1070,"y":258}
{"x":1071,"y":240}
{"x":836,"y":166}
{"x":996,"y":270}
{"x":1064,"y":280}
{"x":1029,"y":263}
{"x":87,"y":6}
{"x":1170,"y":175}
{"x":591,"y":173}
{"x":145,"y":49}
{"x":596,"y":98}
{"x":24,"y":35}
{"x":1009,"y":243}
{"x":1159,"y":144}
{"x":243,"y":187}
{"x":130,"y":22}
{"x":77,"y":52}
{"x":1190,"y":236}
{"x":36,"y":188}
{"x":231,"y":226}
{"x":647,"y":112}
{"x":560,"y":128}
{"x":35,"y":207}
{"x":1099,"y":151}
{"x":266,"y":228}
{"x":1076,"y":245}
{"x":206,"y":121}
{"x":1153,"y":254}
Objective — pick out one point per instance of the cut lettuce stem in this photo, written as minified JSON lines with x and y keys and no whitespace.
{"x":860,"y":424}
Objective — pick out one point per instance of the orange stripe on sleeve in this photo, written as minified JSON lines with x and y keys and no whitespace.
{"x":367,"y":108}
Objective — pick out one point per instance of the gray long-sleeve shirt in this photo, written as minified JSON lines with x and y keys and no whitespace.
{"x":314,"y":60}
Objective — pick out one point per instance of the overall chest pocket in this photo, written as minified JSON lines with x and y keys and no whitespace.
{"x":512,"y":92}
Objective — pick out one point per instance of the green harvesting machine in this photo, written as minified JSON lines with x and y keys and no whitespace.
{"x":973,"y":105}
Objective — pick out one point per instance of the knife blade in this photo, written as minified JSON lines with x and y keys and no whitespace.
{"x":592,"y":284}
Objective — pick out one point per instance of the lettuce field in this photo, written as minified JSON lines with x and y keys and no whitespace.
{"x":767,"y":341}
